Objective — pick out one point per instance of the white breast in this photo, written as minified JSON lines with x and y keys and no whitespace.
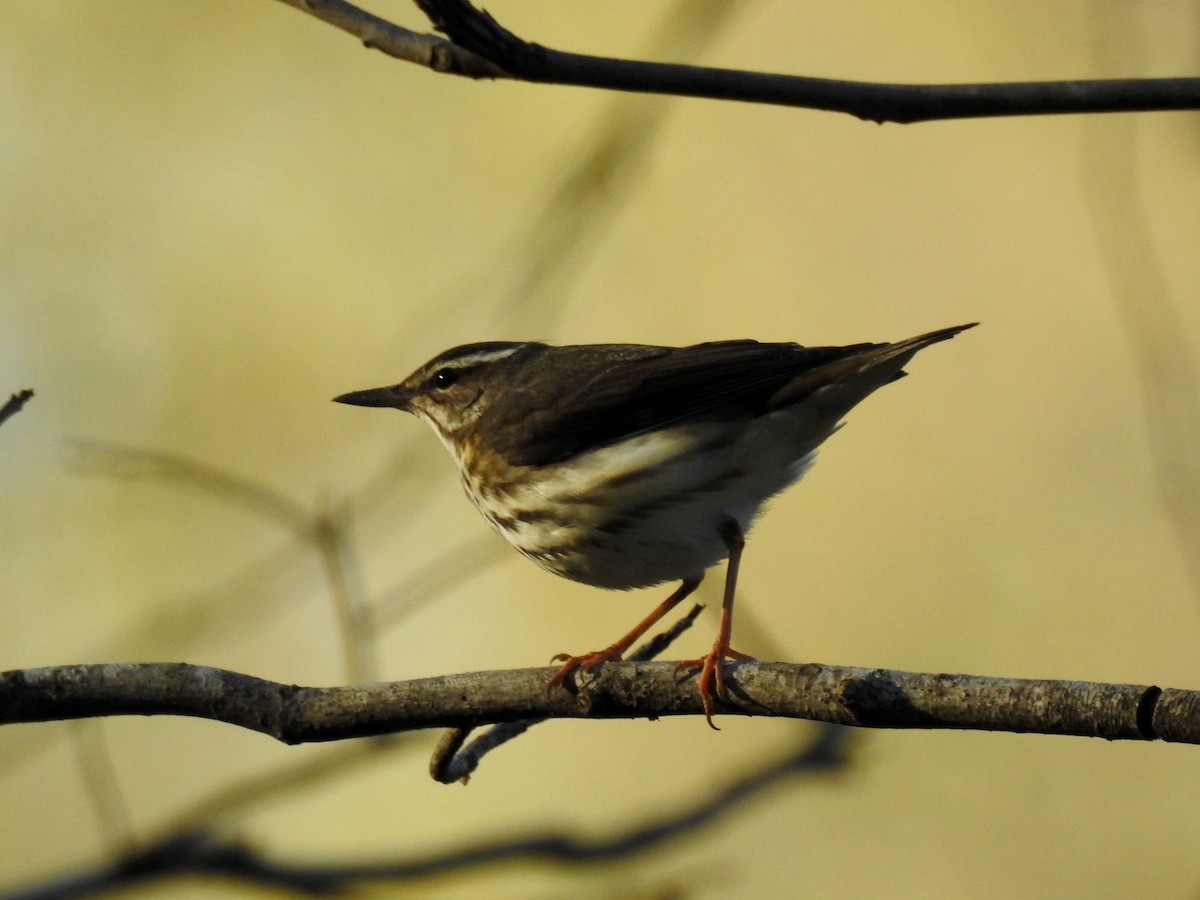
{"x":650,"y":509}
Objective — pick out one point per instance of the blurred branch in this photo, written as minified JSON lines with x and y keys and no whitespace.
{"x":13,"y":405}
{"x":204,"y":852}
{"x":324,"y":530}
{"x":479,"y":47}
{"x":114,"y":460}
{"x":602,"y":174}
{"x":101,"y":784}
{"x":877,"y":698}
{"x":433,"y":580}
{"x":194,"y":853}
{"x":534,"y":274}
{"x":1166,"y":365}
{"x":274,"y":580}
{"x":189,"y":845}
{"x":250,"y":794}
{"x":355,"y":620}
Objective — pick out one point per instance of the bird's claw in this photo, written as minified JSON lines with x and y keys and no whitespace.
{"x":582,"y":664}
{"x":712,"y":675}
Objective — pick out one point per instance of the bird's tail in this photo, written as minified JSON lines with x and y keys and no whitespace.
{"x":835,"y":388}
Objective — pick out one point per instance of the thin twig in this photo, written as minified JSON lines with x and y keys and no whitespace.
{"x":13,"y":405}
{"x":401,"y":43}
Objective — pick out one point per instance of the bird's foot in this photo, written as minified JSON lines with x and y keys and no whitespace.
{"x":711,"y":683}
{"x":582,"y":664}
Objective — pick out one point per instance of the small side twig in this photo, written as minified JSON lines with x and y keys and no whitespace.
{"x":451,"y":762}
{"x":428,"y":50}
{"x":14,"y":403}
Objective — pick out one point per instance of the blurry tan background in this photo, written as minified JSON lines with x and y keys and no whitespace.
{"x":214,"y":217}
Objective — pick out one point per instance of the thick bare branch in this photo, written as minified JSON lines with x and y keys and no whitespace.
{"x":876,"y":698}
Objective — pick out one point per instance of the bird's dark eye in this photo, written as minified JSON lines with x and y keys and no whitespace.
{"x":443,"y":378}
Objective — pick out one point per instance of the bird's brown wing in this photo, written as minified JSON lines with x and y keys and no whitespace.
{"x":621,"y":391}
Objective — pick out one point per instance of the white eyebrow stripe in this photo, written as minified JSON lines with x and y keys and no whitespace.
{"x":475,"y":357}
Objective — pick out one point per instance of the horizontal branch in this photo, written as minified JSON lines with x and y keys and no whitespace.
{"x":877,"y":698}
{"x":479,"y":47}
{"x":478,"y":32}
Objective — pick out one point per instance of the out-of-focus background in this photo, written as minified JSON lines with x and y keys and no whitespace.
{"x":215,"y":217}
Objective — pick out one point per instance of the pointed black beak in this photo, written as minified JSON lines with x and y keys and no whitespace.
{"x":395,"y":396}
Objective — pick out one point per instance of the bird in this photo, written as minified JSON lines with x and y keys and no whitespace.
{"x":626,"y":466}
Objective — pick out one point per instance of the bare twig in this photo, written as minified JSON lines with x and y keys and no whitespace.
{"x":878,"y":698}
{"x":480,"y":47}
{"x":13,"y":405}
{"x":379,"y":34}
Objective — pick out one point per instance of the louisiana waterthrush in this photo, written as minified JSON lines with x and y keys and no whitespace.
{"x":625,"y":466}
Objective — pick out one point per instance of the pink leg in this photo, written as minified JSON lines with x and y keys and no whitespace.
{"x":712,"y":670}
{"x":589,"y":661}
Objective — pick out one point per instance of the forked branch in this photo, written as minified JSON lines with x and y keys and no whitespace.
{"x":479,"y":47}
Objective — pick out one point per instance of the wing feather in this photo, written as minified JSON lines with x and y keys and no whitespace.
{"x":625,"y":390}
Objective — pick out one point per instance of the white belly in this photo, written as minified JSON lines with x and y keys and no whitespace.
{"x":665,"y":498}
